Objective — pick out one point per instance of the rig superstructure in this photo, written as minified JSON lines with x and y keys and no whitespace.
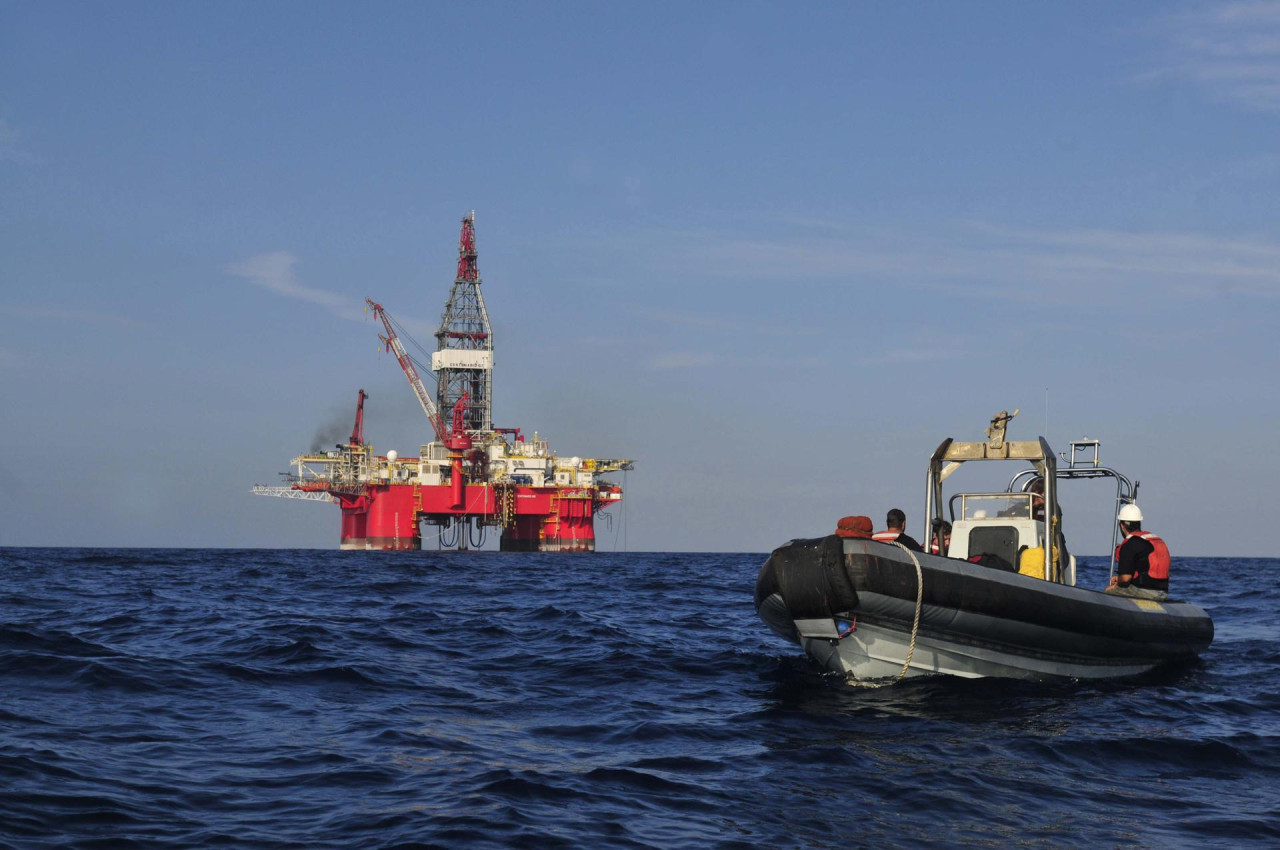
{"x":472,"y":477}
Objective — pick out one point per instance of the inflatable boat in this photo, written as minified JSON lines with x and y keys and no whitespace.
{"x":996,"y":598}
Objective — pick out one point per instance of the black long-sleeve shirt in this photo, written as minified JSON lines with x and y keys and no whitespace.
{"x":910,"y":542}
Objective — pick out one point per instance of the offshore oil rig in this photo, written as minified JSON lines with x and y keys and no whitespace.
{"x":472,"y":477}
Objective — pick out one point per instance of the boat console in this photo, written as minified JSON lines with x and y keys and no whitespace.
{"x":1002,"y":530}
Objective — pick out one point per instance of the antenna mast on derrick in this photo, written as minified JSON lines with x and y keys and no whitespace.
{"x":463,"y":362}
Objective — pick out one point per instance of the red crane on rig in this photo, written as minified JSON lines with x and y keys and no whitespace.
{"x":357,"y":432}
{"x":391,"y":342}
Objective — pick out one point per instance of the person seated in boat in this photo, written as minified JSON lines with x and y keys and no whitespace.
{"x":1036,"y":489}
{"x":896,"y":521}
{"x":941,"y":543}
{"x":1142,"y":560}
{"x":1018,"y":507}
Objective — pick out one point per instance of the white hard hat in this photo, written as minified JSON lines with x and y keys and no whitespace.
{"x":1129,"y":513}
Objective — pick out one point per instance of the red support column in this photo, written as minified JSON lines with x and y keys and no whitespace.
{"x":393,"y":519}
{"x":571,"y":528}
{"x":522,"y":535}
{"x":355,"y":521}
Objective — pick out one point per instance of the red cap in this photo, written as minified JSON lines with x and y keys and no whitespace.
{"x":854,"y":526}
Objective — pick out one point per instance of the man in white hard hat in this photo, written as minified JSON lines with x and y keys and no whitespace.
{"x":1142,"y":560}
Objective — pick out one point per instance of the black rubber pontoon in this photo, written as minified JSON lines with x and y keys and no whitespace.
{"x":975,"y":620}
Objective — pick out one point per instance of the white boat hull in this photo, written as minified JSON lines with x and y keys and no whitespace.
{"x":878,"y":653}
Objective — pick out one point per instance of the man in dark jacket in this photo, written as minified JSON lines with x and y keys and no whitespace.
{"x":896,"y":522}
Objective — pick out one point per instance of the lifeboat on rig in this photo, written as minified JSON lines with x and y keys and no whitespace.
{"x":999,"y":600}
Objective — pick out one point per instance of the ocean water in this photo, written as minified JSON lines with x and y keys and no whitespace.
{"x":193,"y":698}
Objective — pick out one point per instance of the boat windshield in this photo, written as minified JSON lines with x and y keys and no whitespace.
{"x":990,"y":505}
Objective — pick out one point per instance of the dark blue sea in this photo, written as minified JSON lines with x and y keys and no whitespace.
{"x":195,"y":698}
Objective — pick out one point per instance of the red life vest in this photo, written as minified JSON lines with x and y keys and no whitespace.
{"x":886,"y":536}
{"x":1158,"y":560}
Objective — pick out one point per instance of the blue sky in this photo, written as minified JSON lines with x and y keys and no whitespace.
{"x":775,"y":253}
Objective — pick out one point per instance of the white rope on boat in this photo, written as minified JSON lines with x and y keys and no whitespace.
{"x":915,"y":626}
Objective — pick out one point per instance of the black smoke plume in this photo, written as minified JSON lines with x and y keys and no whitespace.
{"x":334,"y":432}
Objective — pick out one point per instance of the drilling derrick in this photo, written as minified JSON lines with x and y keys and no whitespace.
{"x":463,"y":361}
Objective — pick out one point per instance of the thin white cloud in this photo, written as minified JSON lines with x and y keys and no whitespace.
{"x":56,"y":314}
{"x":932,"y":347}
{"x":694,"y":320}
{"x":699,"y":359}
{"x":10,"y":148}
{"x":274,"y":272}
{"x":1231,"y":50}
{"x":704,"y":322}
{"x":1187,"y":264}
{"x":683,"y":360}
{"x":996,"y":261}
